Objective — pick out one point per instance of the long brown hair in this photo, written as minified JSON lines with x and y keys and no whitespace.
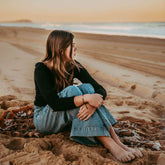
{"x":63,"y":68}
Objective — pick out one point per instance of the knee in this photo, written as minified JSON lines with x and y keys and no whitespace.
{"x":70,"y":91}
{"x":87,"y":88}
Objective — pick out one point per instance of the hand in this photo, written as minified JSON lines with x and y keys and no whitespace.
{"x":95,"y":100}
{"x":86,"y":111}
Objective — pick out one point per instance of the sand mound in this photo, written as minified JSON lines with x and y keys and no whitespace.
{"x":58,"y":149}
{"x":26,"y":145}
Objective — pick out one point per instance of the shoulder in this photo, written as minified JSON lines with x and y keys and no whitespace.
{"x":41,"y":68}
{"x":40,"y":65}
{"x":81,"y":70}
{"x":79,"y":64}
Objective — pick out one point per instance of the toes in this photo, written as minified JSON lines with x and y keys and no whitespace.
{"x":128,"y":158}
{"x":135,"y":153}
{"x":141,"y":154}
{"x":125,"y":159}
{"x":131,"y":155}
{"x":138,"y":153}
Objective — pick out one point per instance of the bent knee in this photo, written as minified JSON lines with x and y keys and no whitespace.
{"x":71,"y":90}
{"x":87,"y":88}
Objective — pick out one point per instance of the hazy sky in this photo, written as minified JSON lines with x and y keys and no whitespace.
{"x":83,"y":10}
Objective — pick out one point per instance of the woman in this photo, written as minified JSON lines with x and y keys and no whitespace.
{"x":59,"y":103}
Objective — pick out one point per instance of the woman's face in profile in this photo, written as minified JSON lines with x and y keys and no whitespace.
{"x":68,"y":49}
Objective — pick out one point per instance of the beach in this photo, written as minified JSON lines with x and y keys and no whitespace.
{"x":131,"y":69}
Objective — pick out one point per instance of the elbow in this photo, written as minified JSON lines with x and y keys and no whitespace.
{"x":105,"y":94}
{"x":102,"y":92}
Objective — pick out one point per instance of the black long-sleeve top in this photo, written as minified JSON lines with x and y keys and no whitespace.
{"x":46,"y":93}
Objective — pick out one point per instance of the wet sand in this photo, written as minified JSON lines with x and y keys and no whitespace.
{"x":132,"y":70}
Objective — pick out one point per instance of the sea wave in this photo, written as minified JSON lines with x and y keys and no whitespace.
{"x":143,"y":29}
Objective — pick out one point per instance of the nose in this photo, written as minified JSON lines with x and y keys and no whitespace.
{"x":75,"y":48}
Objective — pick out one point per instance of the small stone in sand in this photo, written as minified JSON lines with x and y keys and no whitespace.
{"x":133,"y":86}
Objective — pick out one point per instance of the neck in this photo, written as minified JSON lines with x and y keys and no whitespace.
{"x":49,"y":64}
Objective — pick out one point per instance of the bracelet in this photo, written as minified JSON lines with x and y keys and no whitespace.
{"x":83,"y":99}
{"x":84,"y":102}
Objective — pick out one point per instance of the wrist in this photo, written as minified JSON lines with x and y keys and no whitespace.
{"x":86,"y":96}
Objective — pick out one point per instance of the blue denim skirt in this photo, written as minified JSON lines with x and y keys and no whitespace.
{"x":47,"y":121}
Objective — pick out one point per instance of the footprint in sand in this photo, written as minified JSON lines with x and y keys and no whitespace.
{"x":125,"y":75}
{"x":119,"y":103}
{"x":141,"y":107}
{"x":155,"y":157}
{"x":121,"y":86}
{"x":130,"y":102}
{"x":15,"y":69}
{"x":121,"y":112}
{"x":155,"y":93}
{"x":16,"y":144}
{"x":158,"y":81}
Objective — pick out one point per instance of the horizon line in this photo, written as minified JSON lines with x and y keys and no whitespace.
{"x":31,"y":21}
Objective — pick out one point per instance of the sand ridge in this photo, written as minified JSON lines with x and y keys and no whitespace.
{"x":60,"y":149}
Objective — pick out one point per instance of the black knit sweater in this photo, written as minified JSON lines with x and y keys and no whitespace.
{"x":46,"y":94}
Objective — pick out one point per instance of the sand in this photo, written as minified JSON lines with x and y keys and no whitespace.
{"x":132,"y":70}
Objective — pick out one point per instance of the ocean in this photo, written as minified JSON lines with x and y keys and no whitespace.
{"x":142,"y":29}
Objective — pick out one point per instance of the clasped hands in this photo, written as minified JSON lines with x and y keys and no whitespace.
{"x":94,"y":101}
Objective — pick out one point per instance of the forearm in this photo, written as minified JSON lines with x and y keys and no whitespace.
{"x":94,"y":100}
{"x":79,"y":100}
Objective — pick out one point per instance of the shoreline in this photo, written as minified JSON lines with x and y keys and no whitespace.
{"x":89,"y":33}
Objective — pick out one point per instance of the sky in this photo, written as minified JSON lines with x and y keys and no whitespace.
{"x":83,"y":10}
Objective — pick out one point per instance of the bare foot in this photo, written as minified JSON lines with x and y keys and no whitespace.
{"x":119,"y":153}
{"x":134,"y":151}
{"x":123,"y":156}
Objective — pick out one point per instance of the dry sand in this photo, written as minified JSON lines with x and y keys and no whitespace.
{"x":132,"y":70}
